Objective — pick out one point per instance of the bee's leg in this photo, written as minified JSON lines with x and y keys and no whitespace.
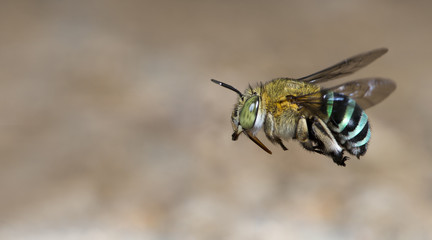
{"x":302,"y":135}
{"x":329,"y":146}
{"x":269,"y":128}
{"x":278,"y":140}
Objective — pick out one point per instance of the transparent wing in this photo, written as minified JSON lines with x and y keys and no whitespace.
{"x":366,"y":92}
{"x":346,"y":67}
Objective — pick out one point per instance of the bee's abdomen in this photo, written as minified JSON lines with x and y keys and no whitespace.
{"x":347,"y":121}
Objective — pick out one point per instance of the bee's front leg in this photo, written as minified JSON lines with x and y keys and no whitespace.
{"x":278,"y":140}
{"x":269,"y":130}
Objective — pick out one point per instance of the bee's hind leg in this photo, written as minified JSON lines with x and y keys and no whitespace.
{"x":319,"y":139}
{"x":327,"y":142}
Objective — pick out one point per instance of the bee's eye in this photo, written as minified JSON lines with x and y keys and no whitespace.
{"x":249,"y":112}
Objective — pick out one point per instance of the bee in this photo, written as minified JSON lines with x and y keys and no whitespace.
{"x":327,"y":121}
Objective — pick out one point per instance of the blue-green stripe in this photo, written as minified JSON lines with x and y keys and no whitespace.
{"x":361,"y":124}
{"x":348,"y":113}
{"x":330,"y":101}
{"x":364,"y":141}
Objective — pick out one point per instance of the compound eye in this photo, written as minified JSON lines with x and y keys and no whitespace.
{"x":248,"y":113}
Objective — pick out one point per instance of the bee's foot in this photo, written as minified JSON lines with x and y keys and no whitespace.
{"x":340,"y":160}
{"x":318,"y":149}
{"x":278,"y":140}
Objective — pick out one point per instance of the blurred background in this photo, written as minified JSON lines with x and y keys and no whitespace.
{"x":111,"y":128}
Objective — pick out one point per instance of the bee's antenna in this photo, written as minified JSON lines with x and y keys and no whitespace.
{"x":227,"y":86}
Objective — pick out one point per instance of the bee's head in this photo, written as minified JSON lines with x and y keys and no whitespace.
{"x":246,"y":116}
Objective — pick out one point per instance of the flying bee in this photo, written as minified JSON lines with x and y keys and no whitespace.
{"x":324,"y":120}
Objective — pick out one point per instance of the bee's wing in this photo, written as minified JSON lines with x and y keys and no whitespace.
{"x":345,"y":67}
{"x":366,"y":92}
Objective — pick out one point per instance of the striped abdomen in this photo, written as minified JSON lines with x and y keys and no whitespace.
{"x":348,"y":122}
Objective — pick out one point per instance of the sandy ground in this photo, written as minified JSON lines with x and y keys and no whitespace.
{"x":111,"y":128}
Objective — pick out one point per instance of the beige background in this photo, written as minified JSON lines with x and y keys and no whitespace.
{"x":111,"y":129}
